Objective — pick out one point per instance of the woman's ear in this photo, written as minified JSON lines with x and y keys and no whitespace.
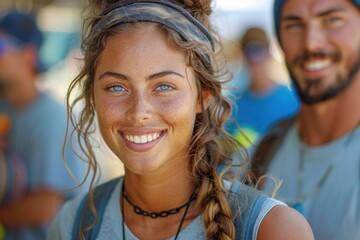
{"x":204,"y":102}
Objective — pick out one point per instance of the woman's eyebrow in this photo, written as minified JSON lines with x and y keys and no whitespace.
{"x":114,"y":75}
{"x":163,"y":74}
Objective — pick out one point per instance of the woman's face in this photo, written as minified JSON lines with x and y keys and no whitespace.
{"x":145,"y":97}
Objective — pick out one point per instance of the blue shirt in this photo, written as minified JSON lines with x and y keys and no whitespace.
{"x":255,"y":114}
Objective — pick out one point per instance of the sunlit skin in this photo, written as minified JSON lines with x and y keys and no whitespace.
{"x":319,"y":43}
{"x":142,"y":87}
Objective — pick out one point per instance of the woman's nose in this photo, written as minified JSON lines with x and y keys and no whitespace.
{"x":139,"y":108}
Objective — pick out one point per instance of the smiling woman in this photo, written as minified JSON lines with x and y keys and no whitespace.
{"x":152,"y":80}
{"x":158,"y":99}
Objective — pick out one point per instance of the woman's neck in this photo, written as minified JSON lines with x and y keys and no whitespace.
{"x":165,"y":189}
{"x":158,"y":192}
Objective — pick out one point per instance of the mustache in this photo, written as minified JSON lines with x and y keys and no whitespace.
{"x":336,"y":56}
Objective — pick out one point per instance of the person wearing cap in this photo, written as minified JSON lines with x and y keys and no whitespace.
{"x":38,"y":126}
{"x":264,"y":102}
{"x":317,"y":153}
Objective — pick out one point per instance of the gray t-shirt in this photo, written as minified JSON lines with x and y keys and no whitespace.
{"x":333,"y":208}
{"x":61,"y":228}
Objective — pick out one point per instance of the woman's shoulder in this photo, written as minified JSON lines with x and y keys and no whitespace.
{"x":283,"y":222}
{"x":259,"y":215}
{"x":267,"y":217}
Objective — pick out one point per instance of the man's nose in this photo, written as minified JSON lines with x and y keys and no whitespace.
{"x":314,"y":38}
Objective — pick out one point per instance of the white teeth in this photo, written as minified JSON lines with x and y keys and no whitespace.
{"x":316,"y":65}
{"x":142,"y":138}
{"x":136,"y":139}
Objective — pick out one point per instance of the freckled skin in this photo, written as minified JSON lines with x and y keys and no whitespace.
{"x":141,"y":107}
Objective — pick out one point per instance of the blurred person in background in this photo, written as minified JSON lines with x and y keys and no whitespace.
{"x":317,"y":154}
{"x":264,"y":101}
{"x":38,"y":126}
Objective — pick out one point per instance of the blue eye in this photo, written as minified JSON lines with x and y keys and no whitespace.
{"x":116,"y":88}
{"x":164,"y":88}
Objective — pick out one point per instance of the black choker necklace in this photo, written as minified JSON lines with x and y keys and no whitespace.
{"x":162,"y":214}
{"x":154,"y":215}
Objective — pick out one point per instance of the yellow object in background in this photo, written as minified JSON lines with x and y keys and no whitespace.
{"x":247,"y":137}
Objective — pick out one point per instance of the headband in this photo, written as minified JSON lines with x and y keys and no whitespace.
{"x":158,"y":11}
{"x":278,"y":7}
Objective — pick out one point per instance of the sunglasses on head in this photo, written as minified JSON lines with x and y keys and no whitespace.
{"x":255,"y":51}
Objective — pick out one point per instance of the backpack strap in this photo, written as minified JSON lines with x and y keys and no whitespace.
{"x":267,"y":148}
{"x":85,"y":217}
{"x":246,"y":203}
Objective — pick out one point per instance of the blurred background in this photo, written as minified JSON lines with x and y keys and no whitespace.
{"x":61,"y":22}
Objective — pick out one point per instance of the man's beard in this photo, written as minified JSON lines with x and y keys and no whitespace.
{"x":341,"y":83}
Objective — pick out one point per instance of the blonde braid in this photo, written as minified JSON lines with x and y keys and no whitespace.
{"x":215,"y":207}
{"x":211,"y":195}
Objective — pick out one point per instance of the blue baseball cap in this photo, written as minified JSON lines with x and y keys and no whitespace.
{"x":278,"y":7}
{"x":22,"y":28}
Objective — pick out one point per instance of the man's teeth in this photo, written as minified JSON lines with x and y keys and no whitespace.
{"x":316,"y":65}
{"x":142,"y":138}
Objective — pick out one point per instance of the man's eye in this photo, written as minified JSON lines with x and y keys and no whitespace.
{"x":333,"y":20}
{"x":293,"y":26}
